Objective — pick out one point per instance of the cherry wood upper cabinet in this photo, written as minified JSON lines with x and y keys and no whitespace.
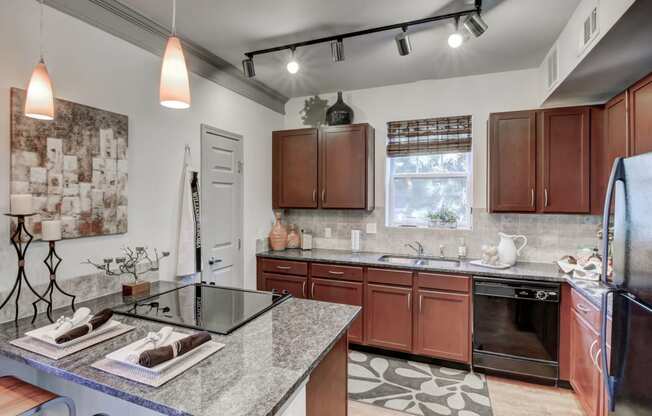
{"x":565,"y":160}
{"x":512,"y":161}
{"x":640,"y":116}
{"x":388,"y":317}
{"x":442,"y":328}
{"x":295,"y":168}
{"x":346,"y":158}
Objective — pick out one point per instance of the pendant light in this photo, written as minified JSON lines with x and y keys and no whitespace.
{"x":39,"y":102}
{"x":175,"y":87}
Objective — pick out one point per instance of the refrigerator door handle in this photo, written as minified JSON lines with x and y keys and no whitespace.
{"x":609,"y":380}
{"x":616,"y":175}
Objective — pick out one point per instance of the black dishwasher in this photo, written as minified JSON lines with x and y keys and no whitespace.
{"x":516,"y":327}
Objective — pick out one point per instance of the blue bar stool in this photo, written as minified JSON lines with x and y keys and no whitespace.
{"x":19,"y":398}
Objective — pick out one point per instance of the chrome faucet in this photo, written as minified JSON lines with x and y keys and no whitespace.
{"x":417,"y":247}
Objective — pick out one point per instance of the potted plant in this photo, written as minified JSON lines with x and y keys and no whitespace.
{"x":443,"y":218}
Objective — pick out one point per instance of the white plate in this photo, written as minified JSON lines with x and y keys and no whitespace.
{"x":122,"y":354}
{"x":45,"y":334}
{"x":490,"y":266}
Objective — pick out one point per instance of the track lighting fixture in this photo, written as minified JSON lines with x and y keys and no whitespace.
{"x":174,"y":89}
{"x":475,"y":24}
{"x":337,"y":50}
{"x":39,"y":100}
{"x":248,"y":68}
{"x":403,"y":43}
{"x":456,"y":39}
{"x":293,"y":65}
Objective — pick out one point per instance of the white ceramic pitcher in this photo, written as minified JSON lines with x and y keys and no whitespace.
{"x":507,"y":251}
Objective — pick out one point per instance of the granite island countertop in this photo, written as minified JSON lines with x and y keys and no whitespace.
{"x":262,"y":364}
{"x":550,"y":272}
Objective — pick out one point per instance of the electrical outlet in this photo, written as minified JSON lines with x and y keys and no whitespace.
{"x":371,"y":228}
{"x":328,"y":232}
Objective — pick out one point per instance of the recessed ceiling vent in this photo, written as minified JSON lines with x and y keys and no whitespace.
{"x":589,"y":29}
{"x":552,"y":65}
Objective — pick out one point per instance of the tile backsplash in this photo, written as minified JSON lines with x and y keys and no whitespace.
{"x":549,"y":236}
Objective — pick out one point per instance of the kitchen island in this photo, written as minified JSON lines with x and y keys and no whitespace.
{"x":261,"y":369}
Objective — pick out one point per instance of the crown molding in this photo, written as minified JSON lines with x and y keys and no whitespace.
{"x":126,"y":23}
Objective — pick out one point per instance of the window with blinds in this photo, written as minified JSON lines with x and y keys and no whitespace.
{"x":429,"y":166}
{"x":429,"y":136}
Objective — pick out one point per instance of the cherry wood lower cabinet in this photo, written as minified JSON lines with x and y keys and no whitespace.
{"x":388,"y":317}
{"x":296,"y":285}
{"x":336,"y":291}
{"x":442,"y":326}
{"x":327,"y":389}
{"x":584,"y":375}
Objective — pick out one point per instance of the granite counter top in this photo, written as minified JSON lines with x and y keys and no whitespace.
{"x":522,"y":270}
{"x":258,"y":370}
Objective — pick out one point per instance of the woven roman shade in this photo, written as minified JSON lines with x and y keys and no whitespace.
{"x":429,"y":136}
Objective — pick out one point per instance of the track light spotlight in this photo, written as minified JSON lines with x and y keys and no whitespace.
{"x":337,"y":50}
{"x":456,"y":39}
{"x":248,"y":68}
{"x":293,"y":65}
{"x":403,"y":43}
{"x":475,"y":25}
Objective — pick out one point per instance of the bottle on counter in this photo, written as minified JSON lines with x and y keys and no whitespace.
{"x":294,"y":239}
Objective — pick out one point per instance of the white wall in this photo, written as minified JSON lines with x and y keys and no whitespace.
{"x":91,"y":67}
{"x":568,"y":43}
{"x":475,"y":95}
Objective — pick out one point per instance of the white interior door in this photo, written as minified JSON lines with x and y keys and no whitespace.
{"x":221,"y":207}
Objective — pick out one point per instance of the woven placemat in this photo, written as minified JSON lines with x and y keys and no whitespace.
{"x":50,"y":351}
{"x":153,"y":379}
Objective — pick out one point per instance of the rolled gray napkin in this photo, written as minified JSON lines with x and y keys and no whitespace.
{"x":156,"y":356}
{"x":96,"y":321}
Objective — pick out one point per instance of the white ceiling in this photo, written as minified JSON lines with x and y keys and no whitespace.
{"x":519,"y":35}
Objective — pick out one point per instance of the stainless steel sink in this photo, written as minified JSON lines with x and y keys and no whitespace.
{"x":420,"y":261}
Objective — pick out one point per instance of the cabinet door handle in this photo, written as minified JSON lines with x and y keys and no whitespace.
{"x":283,"y":267}
{"x":335,"y":273}
{"x":532,"y":197}
{"x":314,"y":195}
{"x":582,"y":308}
{"x":420,"y":301}
{"x":593,"y":344}
{"x":595,"y":360}
{"x":545,"y":197}
{"x":303,"y":289}
{"x":312,"y":290}
{"x":323,"y":193}
{"x":409,"y":299}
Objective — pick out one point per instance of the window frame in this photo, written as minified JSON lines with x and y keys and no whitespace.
{"x":389,"y":191}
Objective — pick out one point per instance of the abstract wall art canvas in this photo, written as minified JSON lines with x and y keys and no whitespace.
{"x":75,"y":167}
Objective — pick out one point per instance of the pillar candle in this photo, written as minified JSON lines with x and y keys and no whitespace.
{"x":21,"y":204}
{"x":51,"y":230}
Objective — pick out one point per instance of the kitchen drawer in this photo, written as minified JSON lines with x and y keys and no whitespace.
{"x":295,"y":285}
{"x":332,"y":271}
{"x":586,"y":310}
{"x":298,"y":268}
{"x":389,"y":277}
{"x":448,"y":282}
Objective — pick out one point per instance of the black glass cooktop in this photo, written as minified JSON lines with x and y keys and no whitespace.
{"x":210,"y":308}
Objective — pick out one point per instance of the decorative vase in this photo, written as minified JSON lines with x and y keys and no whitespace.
{"x":278,"y":236}
{"x":339,"y":113}
{"x":294,"y":239}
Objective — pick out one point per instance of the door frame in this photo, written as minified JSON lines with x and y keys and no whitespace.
{"x":206,"y":129}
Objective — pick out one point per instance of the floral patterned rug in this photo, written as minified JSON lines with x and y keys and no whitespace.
{"x":416,"y":388}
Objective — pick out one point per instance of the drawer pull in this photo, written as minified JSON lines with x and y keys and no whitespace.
{"x":335,"y":273}
{"x":582,"y":308}
{"x":284,"y":267}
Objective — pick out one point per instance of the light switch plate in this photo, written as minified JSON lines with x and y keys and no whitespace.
{"x":371,"y":228}
{"x":327,"y":232}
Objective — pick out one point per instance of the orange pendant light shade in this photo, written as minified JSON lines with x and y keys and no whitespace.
{"x":175,"y":88}
{"x":39,"y":103}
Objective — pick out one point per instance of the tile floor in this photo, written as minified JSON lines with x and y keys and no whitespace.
{"x":508,"y":398}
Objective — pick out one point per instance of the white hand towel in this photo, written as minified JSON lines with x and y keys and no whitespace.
{"x":153,"y":340}
{"x":64,"y":324}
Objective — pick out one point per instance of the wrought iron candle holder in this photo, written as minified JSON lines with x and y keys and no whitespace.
{"x":21,"y":245}
{"x":52,"y":262}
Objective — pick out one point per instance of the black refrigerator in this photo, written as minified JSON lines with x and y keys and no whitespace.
{"x":628,"y":373}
